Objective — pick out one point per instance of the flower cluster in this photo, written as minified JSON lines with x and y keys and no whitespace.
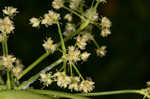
{"x":11,"y":63}
{"x":64,"y":81}
{"x":6,"y":24}
{"x":46,"y":78}
{"x":68,"y":17}
{"x":49,"y":46}
{"x":82,"y":40}
{"x":10,"y":11}
{"x":8,"y":61}
{"x":101,"y":51}
{"x":50,"y":18}
{"x":68,"y":76}
{"x":57,"y":4}
{"x":75,"y":55}
{"x":106,"y":24}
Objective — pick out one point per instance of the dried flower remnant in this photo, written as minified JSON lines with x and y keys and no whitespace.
{"x":73,"y":54}
{"x":49,"y":46}
{"x":35,"y":22}
{"x":57,"y":4}
{"x":101,"y":51}
{"x":68,"y":17}
{"x":6,"y":25}
{"x":50,"y":18}
{"x":74,"y":85}
{"x":46,"y":78}
{"x":10,"y":11}
{"x":86,"y":86}
{"x":62,"y":79}
{"x":8,"y":61}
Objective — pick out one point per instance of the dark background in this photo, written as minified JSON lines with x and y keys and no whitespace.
{"x":126,"y":65}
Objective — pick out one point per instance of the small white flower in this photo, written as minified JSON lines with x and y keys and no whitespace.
{"x":62,"y":79}
{"x":105,"y":32}
{"x":10,"y":11}
{"x":50,"y":18}
{"x":8,"y":61}
{"x":57,"y":4}
{"x":46,"y":78}
{"x":82,"y":40}
{"x":49,"y":46}
{"x":6,"y":25}
{"x":105,"y":22}
{"x":101,"y":51}
{"x":74,"y":85}
{"x":35,"y":22}
{"x":68,"y":17}
{"x":85,"y":55}
{"x":73,"y":54}
{"x":18,"y":68}
{"x":86,"y":86}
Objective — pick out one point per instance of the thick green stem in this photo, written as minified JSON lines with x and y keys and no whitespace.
{"x":58,"y":94}
{"x":33,"y":64}
{"x":112,"y":93}
{"x":33,"y":78}
{"x":5,"y":53}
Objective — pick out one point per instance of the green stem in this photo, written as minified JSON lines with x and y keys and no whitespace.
{"x":112,"y":93}
{"x":58,"y":94}
{"x":95,"y":42}
{"x":36,"y":76}
{"x":5,"y":53}
{"x":8,"y":81}
{"x":70,"y":10}
{"x":74,"y":66}
{"x":61,"y":38}
{"x":33,"y":64}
